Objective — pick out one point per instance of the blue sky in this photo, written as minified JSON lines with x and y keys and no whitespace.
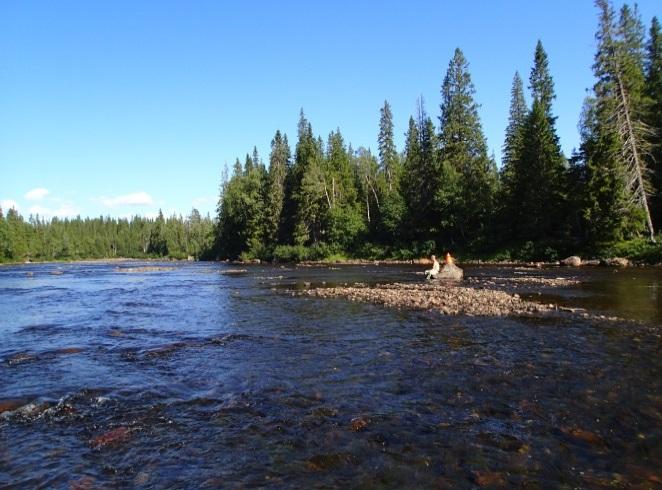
{"x":121,"y":108}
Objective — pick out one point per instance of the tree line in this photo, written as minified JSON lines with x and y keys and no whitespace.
{"x":77,"y":238}
{"x":443,"y":190}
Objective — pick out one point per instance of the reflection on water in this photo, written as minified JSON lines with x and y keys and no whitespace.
{"x":190,"y":377}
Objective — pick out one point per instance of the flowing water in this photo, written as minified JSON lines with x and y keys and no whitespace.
{"x":182,"y":375}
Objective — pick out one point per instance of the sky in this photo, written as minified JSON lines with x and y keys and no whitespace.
{"x":122,"y":108}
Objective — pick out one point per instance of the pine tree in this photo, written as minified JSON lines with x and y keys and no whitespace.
{"x":464,"y":151}
{"x":539,"y":173}
{"x":388,"y":157}
{"x":606,"y":209}
{"x":620,"y":109}
{"x":653,"y":69}
{"x":307,"y":186}
{"x":279,"y":161}
{"x":158,"y":243}
{"x":510,"y":195}
{"x":420,"y":174}
{"x":540,"y":81}
{"x":339,"y":178}
{"x":4,"y":239}
{"x":512,"y":146}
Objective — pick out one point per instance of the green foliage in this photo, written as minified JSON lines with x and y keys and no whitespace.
{"x":388,"y":156}
{"x":468,"y":186}
{"x":279,"y":161}
{"x":653,"y":116}
{"x":444,"y":189}
{"x":345,"y":226}
{"x":420,"y":175}
{"x":508,"y":202}
{"x":614,"y":204}
{"x":535,"y":186}
{"x":637,"y":249}
{"x":99,"y":238}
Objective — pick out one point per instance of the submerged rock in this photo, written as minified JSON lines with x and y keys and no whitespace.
{"x":111,"y":438}
{"x":359,"y":423}
{"x":11,"y":404}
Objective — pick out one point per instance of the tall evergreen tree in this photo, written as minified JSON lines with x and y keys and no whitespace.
{"x":4,"y":239}
{"x":464,"y":150}
{"x":158,"y":242}
{"x":308,"y":186}
{"x":540,"y":81}
{"x":607,"y":212}
{"x":654,"y":114}
{"x":512,"y":146}
{"x":421,"y":174}
{"x":279,"y":161}
{"x":388,"y":157}
{"x":539,"y":172}
{"x":510,"y":195}
{"x":620,"y":109}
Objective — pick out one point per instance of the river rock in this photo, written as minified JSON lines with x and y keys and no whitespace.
{"x":572,"y":261}
{"x":616,"y":262}
{"x":111,"y":438}
{"x":450,"y":272}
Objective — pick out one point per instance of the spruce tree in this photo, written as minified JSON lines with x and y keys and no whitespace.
{"x":619,"y":112}
{"x":388,"y":156}
{"x":279,"y":160}
{"x":512,"y":146}
{"x":464,"y":149}
{"x":4,"y":242}
{"x":411,"y":182}
{"x":539,"y":175}
{"x":421,"y":174}
{"x":607,"y":212}
{"x":510,"y":195}
{"x":653,"y":69}
{"x":540,"y":81}
{"x":308,"y":186}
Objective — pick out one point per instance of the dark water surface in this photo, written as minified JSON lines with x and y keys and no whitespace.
{"x":191,"y":378}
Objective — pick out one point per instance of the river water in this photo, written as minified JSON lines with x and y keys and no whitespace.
{"x":187,"y":376}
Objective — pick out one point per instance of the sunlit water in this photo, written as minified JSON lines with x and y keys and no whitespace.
{"x":192,"y":378}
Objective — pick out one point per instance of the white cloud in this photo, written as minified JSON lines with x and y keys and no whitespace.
{"x":133,"y":199}
{"x":36,"y":194}
{"x":64,"y":210}
{"x":7,"y":204}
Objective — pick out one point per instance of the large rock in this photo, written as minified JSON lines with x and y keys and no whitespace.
{"x":572,"y":261}
{"x":450,"y":272}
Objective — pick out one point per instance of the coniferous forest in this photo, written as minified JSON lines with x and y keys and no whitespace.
{"x":323,"y":198}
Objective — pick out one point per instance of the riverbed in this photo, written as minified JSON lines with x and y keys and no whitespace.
{"x":211,"y":375}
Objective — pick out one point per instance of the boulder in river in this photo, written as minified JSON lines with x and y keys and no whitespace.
{"x":450,"y":271}
{"x":572,"y":261}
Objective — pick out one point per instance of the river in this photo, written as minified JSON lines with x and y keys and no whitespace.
{"x":185,"y":375}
